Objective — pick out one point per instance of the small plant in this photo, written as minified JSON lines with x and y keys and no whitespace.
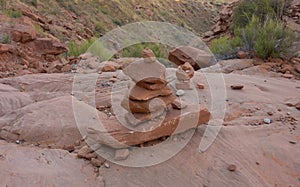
{"x":76,"y":49}
{"x":40,"y":30}
{"x":13,"y":13}
{"x":160,"y":51}
{"x":100,"y":27}
{"x":224,"y":45}
{"x":117,"y":21}
{"x":6,"y":40}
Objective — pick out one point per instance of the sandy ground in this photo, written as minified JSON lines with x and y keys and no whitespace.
{"x":37,"y":126}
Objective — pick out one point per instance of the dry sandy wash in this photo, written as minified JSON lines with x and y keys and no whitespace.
{"x":40,"y":138}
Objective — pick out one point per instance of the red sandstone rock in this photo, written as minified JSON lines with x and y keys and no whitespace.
{"x":4,"y":48}
{"x":143,"y":106}
{"x":189,"y":118}
{"x":141,"y":94}
{"x":152,"y":83}
{"x":197,"y":58}
{"x":242,"y":55}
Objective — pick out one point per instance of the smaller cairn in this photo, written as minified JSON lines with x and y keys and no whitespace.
{"x":184,"y":75}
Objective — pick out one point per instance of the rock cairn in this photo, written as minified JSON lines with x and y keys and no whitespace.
{"x":184,"y":75}
{"x":150,"y":95}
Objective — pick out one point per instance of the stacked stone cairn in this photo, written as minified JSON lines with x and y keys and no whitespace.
{"x":149,"y":96}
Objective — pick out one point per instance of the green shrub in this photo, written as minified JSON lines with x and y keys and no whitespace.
{"x":13,"y":13}
{"x":274,"y":40}
{"x":263,"y":9}
{"x":117,"y":22}
{"x":76,"y":49}
{"x":5,"y":40}
{"x":100,"y":27}
{"x":40,"y":30}
{"x":269,"y":38}
{"x":160,"y":51}
{"x":223,"y":45}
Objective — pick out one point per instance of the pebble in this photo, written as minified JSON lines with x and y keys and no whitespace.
{"x":292,"y":142}
{"x":179,"y":105}
{"x":237,"y":87}
{"x":270,"y":113}
{"x":232,"y":168}
{"x":96,"y":162}
{"x":201,"y":86}
{"x":267,"y":121}
{"x":121,"y":154}
{"x":180,"y":93}
{"x":106,"y":165}
{"x":18,"y":141}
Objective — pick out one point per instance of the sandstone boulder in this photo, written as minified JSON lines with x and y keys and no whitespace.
{"x":196,"y":57}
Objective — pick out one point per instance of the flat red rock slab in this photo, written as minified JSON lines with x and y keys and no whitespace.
{"x":112,"y":133}
{"x":138,"y":93}
{"x":144,"y":106}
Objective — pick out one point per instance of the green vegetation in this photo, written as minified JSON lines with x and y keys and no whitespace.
{"x":262,"y":9}
{"x":160,"y":51}
{"x":5,"y":40}
{"x":13,"y":13}
{"x":225,"y":44}
{"x":76,"y":49}
{"x":40,"y":30}
{"x":258,"y":27}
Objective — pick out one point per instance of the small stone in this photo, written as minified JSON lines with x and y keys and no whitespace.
{"x":242,"y":55}
{"x":179,"y":105}
{"x":267,"y":121}
{"x":97,"y":162}
{"x":18,"y":141}
{"x":232,"y":168}
{"x":297,"y":106}
{"x":289,"y":104}
{"x":121,"y":154}
{"x":288,"y":113}
{"x":237,"y":87}
{"x":77,"y":143}
{"x":201,"y":86}
{"x":292,"y":142}
{"x":85,"y":152}
{"x":113,"y":80}
{"x":108,"y":68}
{"x":270,"y":113}
{"x":180,"y":93}
{"x":106,"y":164}
{"x":257,"y":163}
{"x":288,"y":76}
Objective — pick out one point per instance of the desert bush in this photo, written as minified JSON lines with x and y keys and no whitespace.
{"x":262,"y":9}
{"x":13,"y":13}
{"x":117,"y":21}
{"x":160,"y":50}
{"x":5,"y":40}
{"x":269,"y":38}
{"x":76,"y":49}
{"x":274,"y":40}
{"x":224,"y":45}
